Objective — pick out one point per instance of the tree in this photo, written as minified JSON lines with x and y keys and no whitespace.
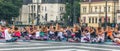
{"x":77,"y":10}
{"x":9,"y":9}
{"x":70,"y":6}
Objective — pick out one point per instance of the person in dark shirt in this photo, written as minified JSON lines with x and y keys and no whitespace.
{"x":77,"y":31}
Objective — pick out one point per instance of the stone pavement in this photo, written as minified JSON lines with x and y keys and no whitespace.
{"x":56,"y":46}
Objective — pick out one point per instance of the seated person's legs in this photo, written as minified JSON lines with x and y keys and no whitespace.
{"x":12,"y":40}
{"x":117,"y":40}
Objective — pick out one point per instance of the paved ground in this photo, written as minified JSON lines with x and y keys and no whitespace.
{"x":56,"y":46}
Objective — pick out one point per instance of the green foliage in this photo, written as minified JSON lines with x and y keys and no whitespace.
{"x":69,"y":10}
{"x":9,"y":8}
{"x":77,"y":7}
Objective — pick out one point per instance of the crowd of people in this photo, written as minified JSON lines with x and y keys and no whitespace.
{"x":59,"y":33}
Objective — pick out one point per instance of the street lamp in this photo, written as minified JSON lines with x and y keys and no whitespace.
{"x":74,"y":16}
{"x":32,"y":12}
{"x":12,"y":20}
{"x":114,"y":11}
{"x":68,"y":16}
{"x":37,"y":14}
{"x":72,"y":11}
{"x":106,"y":18}
{"x":68,"y":20}
{"x":29,"y":15}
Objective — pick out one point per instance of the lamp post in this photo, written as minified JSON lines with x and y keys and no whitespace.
{"x":72,"y":12}
{"x":32,"y":13}
{"x":114,"y":11}
{"x":12,"y":20}
{"x":29,"y":15}
{"x":74,"y":16}
{"x":68,"y":22}
{"x":37,"y":15}
{"x":106,"y":18}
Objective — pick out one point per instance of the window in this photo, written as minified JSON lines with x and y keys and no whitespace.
{"x":45,"y":8}
{"x":38,"y":8}
{"x":38,"y":15}
{"x":34,"y":7}
{"x":46,"y":17}
{"x":34,"y":15}
{"x":93,"y":20}
{"x":91,"y":9}
{"x":42,"y":8}
{"x":84,"y":9}
{"x":31,"y":15}
{"x":109,"y":20}
{"x":100,"y":8}
{"x":89,"y":20}
{"x":100,"y":20}
{"x":108,"y":8}
{"x":43,"y":17}
{"x":104,"y":9}
{"x":95,"y":8}
{"x":31,"y":8}
{"x":84,"y":19}
{"x":61,"y":8}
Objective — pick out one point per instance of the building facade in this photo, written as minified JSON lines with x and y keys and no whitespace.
{"x":44,"y":10}
{"x":118,"y":13}
{"x":24,"y":13}
{"x":93,"y":12}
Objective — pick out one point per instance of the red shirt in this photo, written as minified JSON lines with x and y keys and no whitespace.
{"x":3,"y":33}
{"x":17,"y":33}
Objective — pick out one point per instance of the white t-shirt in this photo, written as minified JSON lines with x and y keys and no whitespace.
{"x":37,"y":34}
{"x":7,"y":35}
{"x":88,"y":35}
{"x":60,"y":34}
{"x":51,"y":32}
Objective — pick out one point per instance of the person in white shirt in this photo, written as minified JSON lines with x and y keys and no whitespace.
{"x":60,"y":35}
{"x":8,"y":35}
{"x":85,"y":36}
{"x":37,"y":34}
